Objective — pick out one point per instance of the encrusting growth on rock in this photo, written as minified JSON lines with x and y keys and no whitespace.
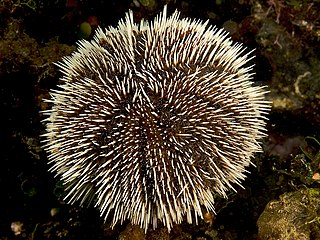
{"x":153,"y":119}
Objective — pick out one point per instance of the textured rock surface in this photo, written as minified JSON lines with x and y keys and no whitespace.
{"x":292,"y":217}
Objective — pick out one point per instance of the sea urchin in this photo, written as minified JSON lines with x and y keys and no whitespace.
{"x":153,"y":119}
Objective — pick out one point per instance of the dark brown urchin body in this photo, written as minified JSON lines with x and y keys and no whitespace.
{"x":153,"y":119}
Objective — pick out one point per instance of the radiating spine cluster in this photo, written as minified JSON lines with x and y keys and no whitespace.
{"x":153,"y":119}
